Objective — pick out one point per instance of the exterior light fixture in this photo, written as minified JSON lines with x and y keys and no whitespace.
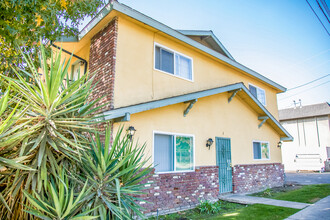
{"x":130,"y":131}
{"x":279,"y":144}
{"x":209,"y":142}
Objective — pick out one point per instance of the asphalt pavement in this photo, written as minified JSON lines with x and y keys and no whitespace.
{"x":307,"y":178}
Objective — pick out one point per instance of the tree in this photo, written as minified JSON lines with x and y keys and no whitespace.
{"x":24,"y":22}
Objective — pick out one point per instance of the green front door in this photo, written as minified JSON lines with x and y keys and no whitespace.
{"x":224,"y":162}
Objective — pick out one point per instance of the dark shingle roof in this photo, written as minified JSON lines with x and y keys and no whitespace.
{"x":305,"y":111}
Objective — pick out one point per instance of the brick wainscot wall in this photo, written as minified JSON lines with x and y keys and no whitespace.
{"x":171,"y":192}
{"x":256,"y":177}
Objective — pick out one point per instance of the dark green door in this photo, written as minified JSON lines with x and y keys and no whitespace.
{"x":224,"y":162}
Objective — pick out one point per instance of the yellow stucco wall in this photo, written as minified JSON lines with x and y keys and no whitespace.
{"x":211,"y":117}
{"x":81,"y":51}
{"x":137,"y":81}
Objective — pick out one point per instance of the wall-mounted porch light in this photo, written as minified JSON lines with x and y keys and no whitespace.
{"x":279,"y":144}
{"x":130,"y":131}
{"x":209,"y":142}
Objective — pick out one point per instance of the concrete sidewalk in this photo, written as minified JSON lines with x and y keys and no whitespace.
{"x":318,"y":210}
{"x":243,"y":199}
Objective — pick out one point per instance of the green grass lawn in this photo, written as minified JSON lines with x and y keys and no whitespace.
{"x":259,"y":212}
{"x":236,"y":211}
{"x":305,"y":194}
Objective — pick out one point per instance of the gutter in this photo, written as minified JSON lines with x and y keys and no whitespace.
{"x":72,"y":54}
{"x":114,"y":5}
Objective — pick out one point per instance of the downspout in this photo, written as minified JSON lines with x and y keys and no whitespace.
{"x":68,"y":52}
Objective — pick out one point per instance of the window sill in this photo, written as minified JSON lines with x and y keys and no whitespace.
{"x":170,"y":74}
{"x":261,"y":159}
{"x":176,"y":172}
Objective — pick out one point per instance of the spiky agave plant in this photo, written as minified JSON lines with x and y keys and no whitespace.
{"x":114,"y":172}
{"x":7,"y":118}
{"x":62,"y":202}
{"x":50,"y":131}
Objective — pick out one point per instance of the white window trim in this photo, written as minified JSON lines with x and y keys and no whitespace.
{"x":257,"y":93}
{"x":260,"y":145}
{"x":174,"y":52}
{"x":77,"y":62}
{"x":175,"y":134}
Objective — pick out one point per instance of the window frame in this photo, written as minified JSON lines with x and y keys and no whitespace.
{"x":250,"y":84}
{"x":174,"y":61}
{"x":77,"y":62}
{"x":173,"y":134}
{"x":260,"y":149}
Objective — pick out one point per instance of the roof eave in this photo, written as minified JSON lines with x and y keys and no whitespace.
{"x":157,"y":25}
{"x":104,"y":12}
{"x":207,"y":33}
{"x":121,"y":112}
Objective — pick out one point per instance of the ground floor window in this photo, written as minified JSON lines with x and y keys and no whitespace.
{"x":173,"y":152}
{"x":260,"y":150}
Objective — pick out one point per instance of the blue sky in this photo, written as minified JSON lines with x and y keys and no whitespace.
{"x":280,"y":39}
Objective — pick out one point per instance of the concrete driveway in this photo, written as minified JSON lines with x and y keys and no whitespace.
{"x":307,"y":178}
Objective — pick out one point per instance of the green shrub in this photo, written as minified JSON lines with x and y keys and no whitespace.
{"x":114,"y":172}
{"x":207,"y":207}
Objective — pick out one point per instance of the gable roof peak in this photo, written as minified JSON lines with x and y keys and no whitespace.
{"x":130,"y":12}
{"x":208,"y":38}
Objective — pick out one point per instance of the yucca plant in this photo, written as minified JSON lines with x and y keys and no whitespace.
{"x":7,"y":118}
{"x":114,"y":172}
{"x":61,"y":202}
{"x":55,"y":115}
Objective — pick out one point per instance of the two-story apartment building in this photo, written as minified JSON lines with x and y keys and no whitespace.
{"x":181,"y":91}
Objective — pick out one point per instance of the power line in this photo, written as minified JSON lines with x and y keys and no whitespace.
{"x":309,"y":58}
{"x":323,"y":11}
{"x":306,"y":90}
{"x":318,"y":18}
{"x":308,"y":82}
{"x":325,"y":6}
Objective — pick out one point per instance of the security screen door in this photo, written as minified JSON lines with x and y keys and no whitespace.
{"x":223,"y":155}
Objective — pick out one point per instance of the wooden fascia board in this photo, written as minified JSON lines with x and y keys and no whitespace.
{"x":173,"y":33}
{"x":207,"y":33}
{"x":121,"y":112}
{"x":176,"y":34}
{"x":271,"y":117}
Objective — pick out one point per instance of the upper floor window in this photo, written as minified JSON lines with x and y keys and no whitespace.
{"x":172,"y":62}
{"x":173,"y":152}
{"x":258,"y":93}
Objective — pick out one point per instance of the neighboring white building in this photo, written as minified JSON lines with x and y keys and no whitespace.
{"x":310,"y":127}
